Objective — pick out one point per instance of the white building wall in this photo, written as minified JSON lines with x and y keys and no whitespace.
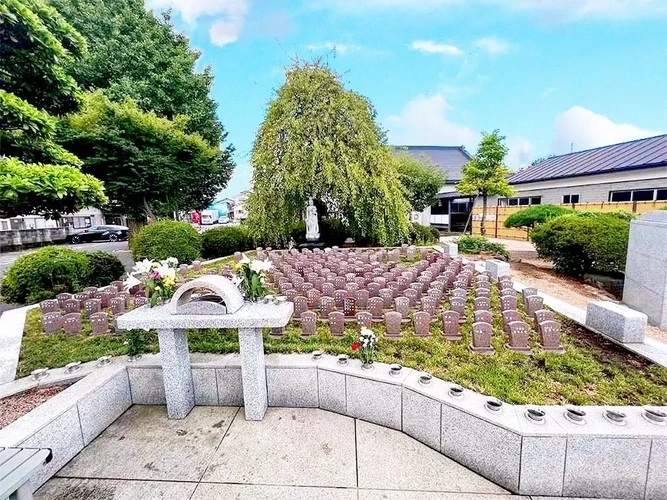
{"x":590,"y":188}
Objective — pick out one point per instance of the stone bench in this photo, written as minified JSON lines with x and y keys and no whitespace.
{"x":617,"y":321}
{"x":17,"y":467}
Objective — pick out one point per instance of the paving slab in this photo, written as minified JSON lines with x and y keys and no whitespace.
{"x":431,"y":495}
{"x":389,"y":459}
{"x":291,"y":446}
{"x":144,"y":444}
{"x":208,"y":491}
{"x":113,"y":489}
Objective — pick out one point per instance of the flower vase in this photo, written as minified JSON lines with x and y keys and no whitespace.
{"x":367,"y":366}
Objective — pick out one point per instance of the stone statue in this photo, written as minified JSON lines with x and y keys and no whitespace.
{"x":312,"y":226}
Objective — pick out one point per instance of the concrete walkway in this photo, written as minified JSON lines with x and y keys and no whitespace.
{"x":295,"y":454}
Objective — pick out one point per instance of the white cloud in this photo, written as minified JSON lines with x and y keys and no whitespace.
{"x":431,"y":47}
{"x":521,"y":153}
{"x":424,"y":121}
{"x":580,"y":128}
{"x":494,"y":46}
{"x":339,"y":48}
{"x":548,"y":91}
{"x":229,"y":16}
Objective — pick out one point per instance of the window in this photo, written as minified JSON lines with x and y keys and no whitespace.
{"x":523,"y":201}
{"x":570,"y":198}
{"x":620,"y":196}
{"x":653,"y":194}
{"x":643,"y":195}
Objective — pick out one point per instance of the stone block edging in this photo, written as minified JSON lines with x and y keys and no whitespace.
{"x":554,"y":458}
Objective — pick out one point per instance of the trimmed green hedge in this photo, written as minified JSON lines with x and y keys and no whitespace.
{"x":223,"y":241}
{"x":583,"y":243}
{"x":423,"y":235}
{"x":167,"y":238}
{"x":538,"y":214}
{"x":44,"y":274}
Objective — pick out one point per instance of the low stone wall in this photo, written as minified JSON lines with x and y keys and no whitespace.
{"x":555,"y":457}
{"x":26,"y":238}
{"x":69,"y":421}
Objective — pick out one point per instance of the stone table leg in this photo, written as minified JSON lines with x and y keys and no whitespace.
{"x":253,"y":373}
{"x":177,"y":374}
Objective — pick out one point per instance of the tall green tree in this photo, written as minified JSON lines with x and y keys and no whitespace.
{"x":151,"y":166}
{"x":420,"y":177}
{"x":485,"y":174}
{"x":321,"y":140}
{"x":37,"y":176}
{"x":135,"y":54}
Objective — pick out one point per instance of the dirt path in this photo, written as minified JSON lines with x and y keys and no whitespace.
{"x":538,"y":274}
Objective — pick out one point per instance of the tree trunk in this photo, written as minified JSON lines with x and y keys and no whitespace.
{"x":482,"y":225}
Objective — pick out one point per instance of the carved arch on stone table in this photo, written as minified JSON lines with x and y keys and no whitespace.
{"x":181,"y":303}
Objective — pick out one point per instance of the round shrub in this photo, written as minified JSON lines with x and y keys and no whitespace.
{"x":581,"y":243}
{"x":223,"y":241}
{"x":103,"y":268}
{"x":435,"y":234}
{"x":167,"y":238}
{"x":538,"y":214}
{"x":44,"y":274}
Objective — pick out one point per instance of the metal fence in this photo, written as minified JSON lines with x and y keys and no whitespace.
{"x":496,"y":216}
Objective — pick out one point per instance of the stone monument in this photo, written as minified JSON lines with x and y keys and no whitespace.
{"x":209,"y":302}
{"x":312,"y":225}
{"x":645,"y":287}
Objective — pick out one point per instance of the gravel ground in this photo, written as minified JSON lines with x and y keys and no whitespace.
{"x":13,"y":407}
{"x":538,"y":274}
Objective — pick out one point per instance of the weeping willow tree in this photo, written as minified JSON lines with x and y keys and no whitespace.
{"x":320,"y":140}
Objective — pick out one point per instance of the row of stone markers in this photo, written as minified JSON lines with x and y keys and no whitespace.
{"x":365,"y":287}
{"x":517,"y":330}
{"x":67,"y":311}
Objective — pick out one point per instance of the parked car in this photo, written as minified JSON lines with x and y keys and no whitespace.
{"x":101,"y":233}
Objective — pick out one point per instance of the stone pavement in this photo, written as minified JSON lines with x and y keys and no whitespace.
{"x":296,"y":454}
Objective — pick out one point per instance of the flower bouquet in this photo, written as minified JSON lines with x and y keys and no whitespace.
{"x":250,"y":277}
{"x":367,"y":347}
{"x":157,"y":278}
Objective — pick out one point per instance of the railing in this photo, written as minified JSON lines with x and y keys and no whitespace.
{"x":496,"y":216}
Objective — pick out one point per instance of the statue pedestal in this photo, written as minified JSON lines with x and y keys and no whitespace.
{"x":310,"y":245}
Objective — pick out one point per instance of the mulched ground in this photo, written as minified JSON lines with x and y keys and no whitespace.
{"x":13,"y":407}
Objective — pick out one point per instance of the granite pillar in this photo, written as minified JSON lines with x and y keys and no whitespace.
{"x":178,"y":388}
{"x":645,"y":287}
{"x":253,"y":373}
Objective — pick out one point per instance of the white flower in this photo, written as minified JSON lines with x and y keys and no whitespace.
{"x":142,"y":267}
{"x":165,"y":271}
{"x":172,"y":261}
{"x":131,"y":282}
{"x":245,"y":259}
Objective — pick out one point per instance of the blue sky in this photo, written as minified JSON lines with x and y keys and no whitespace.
{"x":550,"y":74}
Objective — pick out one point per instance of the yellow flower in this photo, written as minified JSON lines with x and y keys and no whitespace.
{"x":157,"y":288}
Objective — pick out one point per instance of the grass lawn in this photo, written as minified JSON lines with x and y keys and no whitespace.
{"x":592,"y":372}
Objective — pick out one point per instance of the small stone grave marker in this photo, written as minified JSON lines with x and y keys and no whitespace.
{"x":72,"y":323}
{"x":308,"y":323}
{"x":481,"y":338}
{"x":51,"y":322}
{"x":518,"y":340}
{"x":337,"y":323}
{"x":99,"y":323}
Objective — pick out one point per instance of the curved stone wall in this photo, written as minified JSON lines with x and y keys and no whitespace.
{"x":556,"y":456}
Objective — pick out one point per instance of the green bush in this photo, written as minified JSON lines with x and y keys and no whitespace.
{"x":435,"y":234}
{"x":535,"y":215}
{"x":422,"y":235}
{"x":103,"y":268}
{"x":167,"y":238}
{"x":44,"y":274}
{"x":584,"y":243}
{"x":477,"y":244}
{"x":618,"y":214}
{"x":224,"y":241}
